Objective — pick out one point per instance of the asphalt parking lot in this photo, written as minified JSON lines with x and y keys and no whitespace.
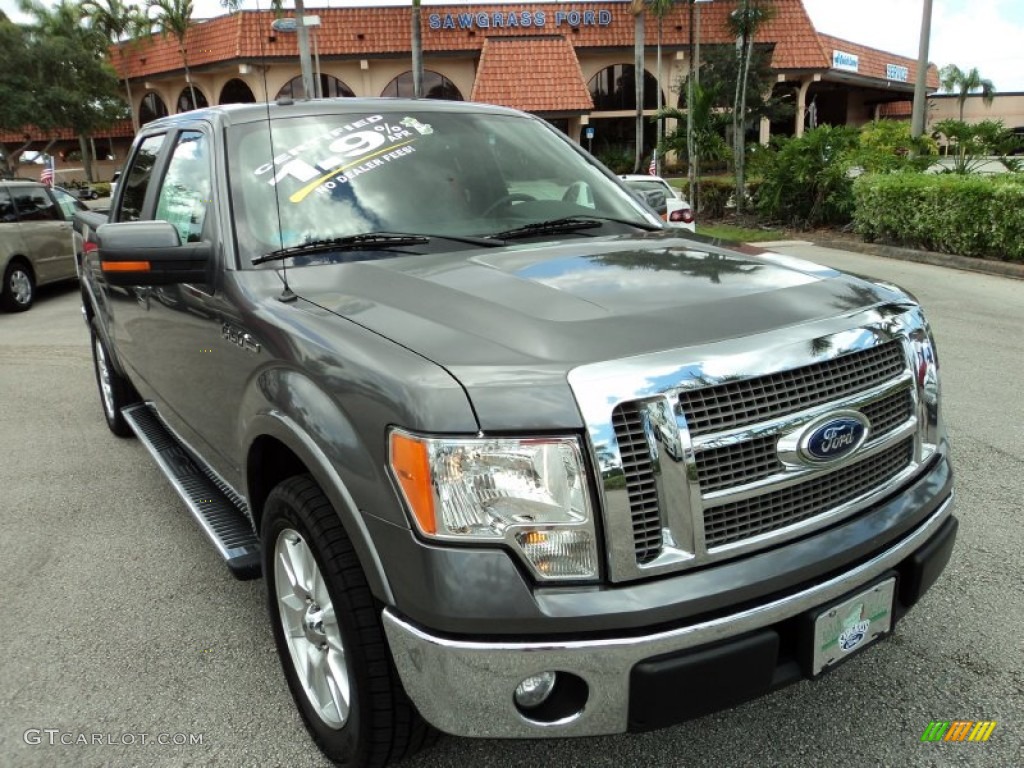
{"x":117,"y":619}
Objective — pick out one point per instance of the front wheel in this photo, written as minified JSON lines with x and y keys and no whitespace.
{"x":329,"y":636}
{"x":19,"y":288}
{"x":116,"y":391}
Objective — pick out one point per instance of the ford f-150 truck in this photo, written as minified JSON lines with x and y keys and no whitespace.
{"x":513,"y":459}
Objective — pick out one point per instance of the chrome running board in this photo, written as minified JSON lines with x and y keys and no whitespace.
{"x":221,"y":517}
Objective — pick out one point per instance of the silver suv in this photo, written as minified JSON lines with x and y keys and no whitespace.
{"x":37,"y":243}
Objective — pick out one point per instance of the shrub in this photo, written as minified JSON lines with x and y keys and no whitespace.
{"x":887,"y":145}
{"x":806,"y":181}
{"x":714,"y":194}
{"x":970,"y":144}
{"x":618,"y":159}
{"x":967,"y":215}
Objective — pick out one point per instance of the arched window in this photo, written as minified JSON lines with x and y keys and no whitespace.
{"x":151,"y":108}
{"x":185,"y":102}
{"x":330,"y":87}
{"x":435,"y":86}
{"x":236,"y":91}
{"x":614,"y":88}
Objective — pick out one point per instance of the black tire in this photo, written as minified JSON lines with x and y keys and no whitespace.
{"x":381,"y":725}
{"x":19,"y":288}
{"x":120,"y":393}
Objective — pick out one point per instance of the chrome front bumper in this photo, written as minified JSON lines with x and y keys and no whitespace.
{"x":466,"y":688}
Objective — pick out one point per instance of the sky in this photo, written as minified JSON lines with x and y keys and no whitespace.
{"x":987,"y":34}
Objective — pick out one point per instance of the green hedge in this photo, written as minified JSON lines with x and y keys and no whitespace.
{"x":978,"y":216}
{"x":714,"y":194}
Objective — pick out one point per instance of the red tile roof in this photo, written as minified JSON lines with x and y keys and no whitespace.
{"x":122,"y":129}
{"x":363,"y":32}
{"x":796,"y":42}
{"x":536,"y":74}
{"x":872,"y":61}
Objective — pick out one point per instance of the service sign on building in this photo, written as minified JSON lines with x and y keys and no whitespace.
{"x":896,"y":72}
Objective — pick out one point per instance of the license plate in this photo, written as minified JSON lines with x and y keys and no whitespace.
{"x":846,"y":628}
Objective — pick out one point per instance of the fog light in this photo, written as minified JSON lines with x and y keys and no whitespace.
{"x":534,"y":691}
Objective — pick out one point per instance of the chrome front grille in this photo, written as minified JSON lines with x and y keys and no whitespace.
{"x":889,"y":413}
{"x":748,"y":401}
{"x":752,"y":460}
{"x":704,"y":451}
{"x":745,"y":519}
{"x":638,"y":471}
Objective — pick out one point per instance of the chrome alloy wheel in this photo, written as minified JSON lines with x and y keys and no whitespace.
{"x":311,"y":629}
{"x":106,"y":384}
{"x":21,"y":286}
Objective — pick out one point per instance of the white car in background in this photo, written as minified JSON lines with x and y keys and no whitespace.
{"x":113,"y":183}
{"x":664,"y":198}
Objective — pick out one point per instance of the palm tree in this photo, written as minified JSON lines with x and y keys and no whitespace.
{"x":692,"y":82}
{"x":955,"y":79}
{"x":636,"y":7}
{"x":118,"y":20}
{"x":417,"y":51}
{"x":660,"y":9}
{"x":744,"y":23}
{"x":175,"y":17}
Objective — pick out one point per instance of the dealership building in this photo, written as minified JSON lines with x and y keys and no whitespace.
{"x":571,"y":63}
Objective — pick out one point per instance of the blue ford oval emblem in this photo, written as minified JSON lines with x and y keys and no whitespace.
{"x":835,"y":438}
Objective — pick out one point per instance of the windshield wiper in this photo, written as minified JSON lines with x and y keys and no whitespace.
{"x":370,"y":240}
{"x":567,"y":224}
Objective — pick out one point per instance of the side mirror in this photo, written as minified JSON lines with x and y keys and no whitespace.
{"x":150,"y":253}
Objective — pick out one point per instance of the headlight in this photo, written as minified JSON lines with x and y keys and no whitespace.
{"x":530,"y":494}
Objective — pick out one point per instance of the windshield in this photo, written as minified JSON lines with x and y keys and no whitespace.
{"x":439,"y":174}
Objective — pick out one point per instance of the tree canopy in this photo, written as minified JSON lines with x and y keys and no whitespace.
{"x":56,"y":76}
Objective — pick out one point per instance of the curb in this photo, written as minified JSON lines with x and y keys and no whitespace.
{"x":984,"y":266}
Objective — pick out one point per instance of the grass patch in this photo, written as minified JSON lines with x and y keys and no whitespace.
{"x":739,"y":234}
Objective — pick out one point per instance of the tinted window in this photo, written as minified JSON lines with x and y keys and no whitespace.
{"x":6,"y":206}
{"x":185,"y":195}
{"x":68,"y":204}
{"x":137,"y":181}
{"x":33,"y":204}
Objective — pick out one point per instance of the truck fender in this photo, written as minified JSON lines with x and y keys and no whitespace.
{"x":281,"y":427}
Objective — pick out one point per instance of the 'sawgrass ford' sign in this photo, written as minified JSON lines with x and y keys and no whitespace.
{"x":519,"y":19}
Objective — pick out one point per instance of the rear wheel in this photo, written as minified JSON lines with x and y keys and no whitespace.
{"x":116,"y":391}
{"x":19,"y":288}
{"x":329,"y":636}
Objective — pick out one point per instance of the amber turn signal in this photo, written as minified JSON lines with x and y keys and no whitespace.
{"x":124,"y":266}
{"x":412,"y":470}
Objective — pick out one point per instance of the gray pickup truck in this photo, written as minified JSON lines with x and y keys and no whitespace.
{"x":513,"y":459}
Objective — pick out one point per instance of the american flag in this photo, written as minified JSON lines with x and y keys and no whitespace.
{"x":46,"y":177}
{"x":652,"y":169}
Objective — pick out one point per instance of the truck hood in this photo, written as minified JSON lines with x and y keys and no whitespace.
{"x":509,"y":323}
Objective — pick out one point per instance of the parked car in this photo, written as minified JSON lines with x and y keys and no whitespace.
{"x":113,"y":182}
{"x":664,"y":198}
{"x":86,"y":192}
{"x":37,"y":243}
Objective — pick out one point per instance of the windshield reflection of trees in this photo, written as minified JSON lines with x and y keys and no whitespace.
{"x":710,"y":265}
